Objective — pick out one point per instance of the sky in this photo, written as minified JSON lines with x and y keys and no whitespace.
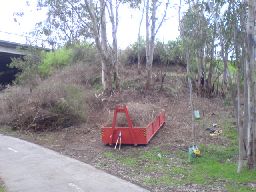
{"x":127,"y":31}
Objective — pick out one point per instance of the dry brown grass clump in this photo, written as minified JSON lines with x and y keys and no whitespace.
{"x":47,"y":107}
{"x":141,"y":114}
{"x":80,"y":73}
{"x":62,"y":100}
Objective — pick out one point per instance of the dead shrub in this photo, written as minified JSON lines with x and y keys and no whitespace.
{"x":10,"y":102}
{"x":50,"y":106}
{"x":63,"y":99}
{"x":141,"y":114}
{"x":81,"y":73}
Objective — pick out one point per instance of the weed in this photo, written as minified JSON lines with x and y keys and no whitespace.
{"x":128,"y":161}
{"x":109,"y":155}
{"x":230,"y":132}
{"x":227,"y":101}
{"x":2,"y":189}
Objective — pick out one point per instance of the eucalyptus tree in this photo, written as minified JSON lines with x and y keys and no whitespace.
{"x":234,"y":29}
{"x":237,"y":32}
{"x":250,"y":73}
{"x":231,"y":27}
{"x":77,"y":19}
{"x":213,"y":12}
{"x":153,"y":24}
{"x":241,"y":39}
{"x":228,"y":26}
{"x":62,"y":23}
{"x":195,"y":34}
{"x":238,"y":28}
{"x":139,"y":40}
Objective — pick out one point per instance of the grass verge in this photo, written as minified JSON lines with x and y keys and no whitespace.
{"x":216,"y":167}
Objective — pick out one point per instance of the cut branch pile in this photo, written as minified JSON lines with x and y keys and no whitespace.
{"x":141,"y":115}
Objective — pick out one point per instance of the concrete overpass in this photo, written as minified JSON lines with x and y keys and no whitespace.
{"x":10,"y":50}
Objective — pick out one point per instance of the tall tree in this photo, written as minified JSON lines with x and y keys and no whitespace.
{"x":139,"y":39}
{"x":152,"y":27}
{"x":88,"y":19}
{"x":113,"y":6}
{"x":250,"y":70}
{"x":62,"y":23}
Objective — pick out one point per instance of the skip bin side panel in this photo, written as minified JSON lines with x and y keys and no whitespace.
{"x":155,"y":125}
{"x":110,"y":137}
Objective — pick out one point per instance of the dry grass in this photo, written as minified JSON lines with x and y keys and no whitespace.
{"x":59,"y":101}
{"x":80,"y":73}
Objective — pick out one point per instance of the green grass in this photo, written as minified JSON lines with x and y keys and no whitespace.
{"x":128,"y":161}
{"x":2,"y":188}
{"x":172,"y":168}
{"x":218,"y":164}
{"x":109,"y":155}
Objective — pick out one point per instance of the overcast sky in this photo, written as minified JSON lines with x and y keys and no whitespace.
{"x":128,"y":24}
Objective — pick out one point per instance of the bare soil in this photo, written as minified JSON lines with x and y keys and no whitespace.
{"x":83,"y":142}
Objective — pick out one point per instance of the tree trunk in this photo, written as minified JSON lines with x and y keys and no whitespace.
{"x":240,"y":127}
{"x":151,"y":31}
{"x":101,"y":42}
{"x":190,"y":97}
{"x":210,"y":73}
{"x":224,"y":55}
{"x":139,"y":40}
{"x":150,"y":41}
{"x":225,"y":71}
{"x":114,"y":23}
{"x":201,"y":75}
{"x":106,"y":62}
{"x":254,"y":86}
{"x":242,"y":151}
{"x":242,"y":159}
{"x":250,"y":89}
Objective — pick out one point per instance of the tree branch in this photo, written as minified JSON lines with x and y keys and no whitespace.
{"x":163,"y":18}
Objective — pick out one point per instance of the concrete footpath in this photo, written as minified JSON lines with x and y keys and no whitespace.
{"x":26,"y":167}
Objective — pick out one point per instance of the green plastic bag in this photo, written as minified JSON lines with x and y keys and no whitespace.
{"x":197,"y":114}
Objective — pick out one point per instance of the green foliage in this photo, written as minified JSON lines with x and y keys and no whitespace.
{"x":175,"y":50}
{"x":170,"y":53}
{"x":130,"y":54}
{"x":85,"y":52}
{"x":28,"y":66}
{"x":194,"y":27}
{"x":109,"y":155}
{"x":39,"y":64}
{"x":128,"y":161}
{"x":54,"y":60}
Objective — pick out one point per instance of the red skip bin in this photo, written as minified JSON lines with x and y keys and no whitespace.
{"x":130,"y":135}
